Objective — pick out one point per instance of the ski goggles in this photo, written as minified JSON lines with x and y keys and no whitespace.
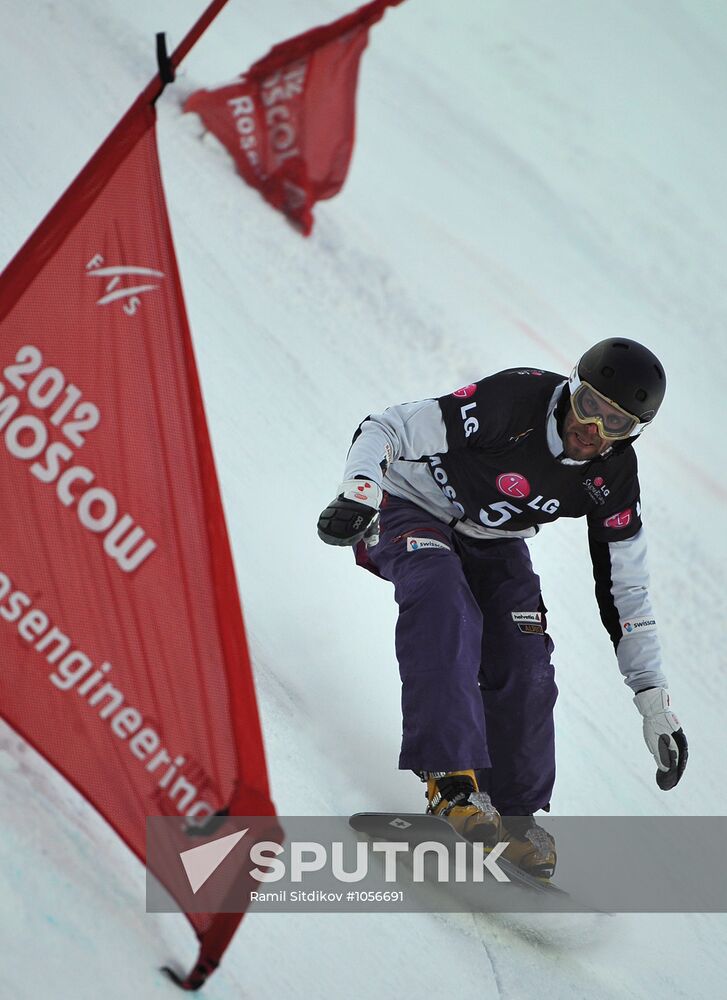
{"x":592,"y":407}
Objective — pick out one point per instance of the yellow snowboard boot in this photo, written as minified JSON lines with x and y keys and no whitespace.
{"x":455,"y":796}
{"x":530,"y":847}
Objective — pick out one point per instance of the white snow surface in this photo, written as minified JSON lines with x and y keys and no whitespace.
{"x":529,"y":178}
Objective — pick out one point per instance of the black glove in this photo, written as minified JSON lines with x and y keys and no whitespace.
{"x":664,"y":736}
{"x":353,"y":515}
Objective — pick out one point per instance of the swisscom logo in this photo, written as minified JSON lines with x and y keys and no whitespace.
{"x":638,"y":625}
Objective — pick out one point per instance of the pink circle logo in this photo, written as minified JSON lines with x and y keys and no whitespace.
{"x":621,"y":520}
{"x":512,"y":484}
{"x":598,"y":481}
{"x":465,"y":392}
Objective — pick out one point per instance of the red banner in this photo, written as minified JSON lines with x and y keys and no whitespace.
{"x":289,"y":121}
{"x":124,"y":654}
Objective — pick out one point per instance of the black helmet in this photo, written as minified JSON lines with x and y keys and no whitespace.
{"x":626,"y":373}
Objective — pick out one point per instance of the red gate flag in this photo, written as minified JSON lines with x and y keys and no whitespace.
{"x":125,"y":661}
{"x":289,"y":121}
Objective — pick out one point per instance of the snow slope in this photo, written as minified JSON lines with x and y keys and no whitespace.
{"x":528,"y":179}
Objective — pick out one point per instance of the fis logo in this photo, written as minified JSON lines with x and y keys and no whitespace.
{"x":123,"y":284}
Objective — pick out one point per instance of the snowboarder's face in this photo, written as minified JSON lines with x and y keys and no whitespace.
{"x":582,"y":442}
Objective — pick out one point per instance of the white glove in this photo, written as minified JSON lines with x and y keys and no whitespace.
{"x":353,"y":515}
{"x":362,"y":490}
{"x":664,"y":735}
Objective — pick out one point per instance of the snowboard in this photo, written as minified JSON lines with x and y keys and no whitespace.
{"x":415,"y":828}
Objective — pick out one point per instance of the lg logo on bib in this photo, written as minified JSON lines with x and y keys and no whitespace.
{"x":512,"y":484}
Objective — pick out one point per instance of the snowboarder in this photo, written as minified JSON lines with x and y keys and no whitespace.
{"x":438,"y":497}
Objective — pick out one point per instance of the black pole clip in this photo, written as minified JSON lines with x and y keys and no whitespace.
{"x":166,"y":69}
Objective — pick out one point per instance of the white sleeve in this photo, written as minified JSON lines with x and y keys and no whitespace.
{"x":622,"y":590}
{"x":408,"y":431}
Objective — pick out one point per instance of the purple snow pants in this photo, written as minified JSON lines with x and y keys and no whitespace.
{"x":478,"y":687}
